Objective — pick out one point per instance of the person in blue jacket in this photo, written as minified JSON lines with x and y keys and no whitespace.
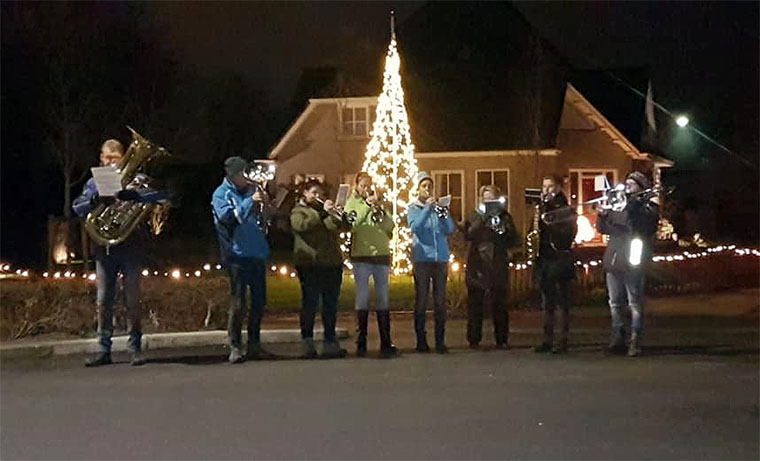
{"x":124,"y":257}
{"x":430,"y":257}
{"x":244,"y":251}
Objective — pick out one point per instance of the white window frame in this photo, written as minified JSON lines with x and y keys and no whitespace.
{"x":368,"y":122}
{"x":461,"y":174}
{"x":492,"y":171}
{"x":581,"y":198}
{"x":580,"y":172}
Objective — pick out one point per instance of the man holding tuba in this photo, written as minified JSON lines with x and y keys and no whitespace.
{"x":555,"y":268}
{"x":238,"y":205}
{"x":111,"y":259}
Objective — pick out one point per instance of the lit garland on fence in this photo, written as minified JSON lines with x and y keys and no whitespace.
{"x":389,"y":159}
{"x":7,"y":271}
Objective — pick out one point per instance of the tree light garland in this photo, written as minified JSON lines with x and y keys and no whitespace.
{"x":389,"y":158}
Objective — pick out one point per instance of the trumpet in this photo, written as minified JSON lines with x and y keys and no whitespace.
{"x":378,"y":212}
{"x":493,"y":209}
{"x":338,"y":213}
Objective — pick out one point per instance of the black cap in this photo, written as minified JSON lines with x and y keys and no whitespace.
{"x":234,"y":165}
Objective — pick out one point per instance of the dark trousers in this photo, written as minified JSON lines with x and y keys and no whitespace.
{"x":477,"y":299}
{"x":555,"y":293}
{"x":424,"y":272}
{"x":319,"y":283}
{"x":246,"y":274}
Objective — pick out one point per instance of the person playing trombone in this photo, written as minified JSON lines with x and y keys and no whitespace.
{"x":490,"y":233}
{"x":555,"y":268}
{"x":372,"y":229}
{"x":631,"y":232}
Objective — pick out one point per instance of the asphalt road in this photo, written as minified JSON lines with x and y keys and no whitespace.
{"x":693,"y":404}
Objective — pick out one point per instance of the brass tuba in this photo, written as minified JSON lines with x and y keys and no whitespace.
{"x":110,"y":225}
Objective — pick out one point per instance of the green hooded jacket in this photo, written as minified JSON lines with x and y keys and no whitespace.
{"x":369,"y":240}
{"x":315,"y":237}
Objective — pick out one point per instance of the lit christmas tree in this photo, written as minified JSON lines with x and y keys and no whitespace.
{"x":389,"y":158}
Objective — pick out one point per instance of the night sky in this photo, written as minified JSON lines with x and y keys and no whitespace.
{"x":703,"y":59}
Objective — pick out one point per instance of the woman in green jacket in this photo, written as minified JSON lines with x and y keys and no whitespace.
{"x":371,"y":230}
{"x":319,"y":264}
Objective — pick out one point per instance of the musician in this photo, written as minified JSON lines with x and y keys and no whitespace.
{"x":319,"y":264}
{"x":371,"y":233}
{"x":631,"y":232}
{"x":244,"y":251}
{"x":430,"y":257}
{"x":109,"y":261}
{"x":491,"y":234}
{"x":555,"y":268}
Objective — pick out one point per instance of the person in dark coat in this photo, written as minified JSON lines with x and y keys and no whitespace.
{"x":631,"y":232}
{"x":491,"y":234}
{"x":555,"y":268}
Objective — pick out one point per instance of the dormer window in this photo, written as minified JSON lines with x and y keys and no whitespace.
{"x":357,"y":121}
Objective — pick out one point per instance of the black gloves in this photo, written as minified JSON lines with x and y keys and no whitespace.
{"x":127,"y":194}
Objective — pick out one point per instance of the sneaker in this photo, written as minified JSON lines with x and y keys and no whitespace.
{"x":633,"y":348}
{"x":441,"y":349}
{"x":543,"y":348}
{"x":103,"y":358}
{"x":308,"y":349}
{"x":332,"y":350}
{"x":503,"y":346}
{"x":138,"y":359}
{"x":236,"y":356}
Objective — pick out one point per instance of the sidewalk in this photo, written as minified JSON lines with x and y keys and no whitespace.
{"x":726,"y":320}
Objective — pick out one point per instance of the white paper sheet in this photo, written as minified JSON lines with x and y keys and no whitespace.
{"x":107,"y":180}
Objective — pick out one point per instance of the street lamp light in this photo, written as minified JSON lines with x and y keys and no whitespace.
{"x":682,"y":121}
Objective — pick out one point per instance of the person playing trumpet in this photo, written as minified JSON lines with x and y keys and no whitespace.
{"x":371,"y":231}
{"x":555,"y":270}
{"x":491,"y":234}
{"x":430,"y":257}
{"x":319,"y":264}
{"x":244,"y":251}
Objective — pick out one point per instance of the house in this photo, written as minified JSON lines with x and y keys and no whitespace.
{"x":497,"y":106}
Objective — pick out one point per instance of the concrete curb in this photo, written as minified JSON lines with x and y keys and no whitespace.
{"x":152,"y":341}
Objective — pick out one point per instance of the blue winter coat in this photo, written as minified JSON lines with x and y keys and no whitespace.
{"x":236,"y":229}
{"x":429,"y":232}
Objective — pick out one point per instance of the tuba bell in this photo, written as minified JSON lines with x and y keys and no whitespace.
{"x":110,"y":225}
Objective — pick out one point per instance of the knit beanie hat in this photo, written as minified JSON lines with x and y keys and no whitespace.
{"x":234,"y":165}
{"x":640,"y":179}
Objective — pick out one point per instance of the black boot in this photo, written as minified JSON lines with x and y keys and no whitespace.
{"x":362,"y":317}
{"x":440,"y":333}
{"x":387,"y":349}
{"x":617,"y":342}
{"x":419,"y":330}
{"x":103,"y":358}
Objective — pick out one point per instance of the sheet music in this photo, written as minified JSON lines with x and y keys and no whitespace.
{"x":340,"y":200}
{"x":445,"y":200}
{"x":107,"y":180}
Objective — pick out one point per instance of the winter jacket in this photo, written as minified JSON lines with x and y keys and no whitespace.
{"x":369,"y":240}
{"x":429,"y":233}
{"x":238,"y":233}
{"x":555,"y":256}
{"x":315,"y":236}
{"x":638,"y":220}
{"x":487,"y":258}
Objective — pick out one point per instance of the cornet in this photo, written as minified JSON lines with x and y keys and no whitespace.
{"x":258,"y":173}
{"x":338,"y":213}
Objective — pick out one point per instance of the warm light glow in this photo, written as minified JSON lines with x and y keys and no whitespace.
{"x":586,"y":231}
{"x":145,"y":272}
{"x":283,"y":270}
{"x":455,"y":267}
{"x":91,"y":277}
{"x":197,"y":273}
{"x":207,"y":267}
{"x":682,"y":121}
{"x":176,"y":274}
{"x":389,"y":158}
